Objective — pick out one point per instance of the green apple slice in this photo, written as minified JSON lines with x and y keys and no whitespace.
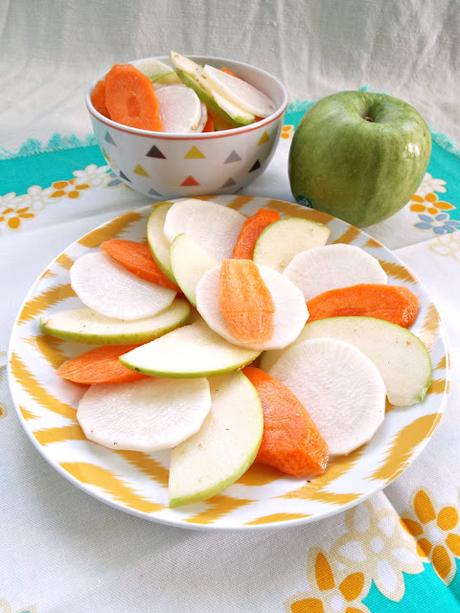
{"x":145,"y":415}
{"x":321,"y":269}
{"x":190,"y":351}
{"x":191,"y":74}
{"x":189,"y":262}
{"x":180,"y":108}
{"x":157,"y":71}
{"x":212,"y":226}
{"x":87,"y":326}
{"x":158,"y":243}
{"x":240,"y":92}
{"x":283,"y":239}
{"x":109,"y":289}
{"x":401,"y":358}
{"x":339,"y":386}
{"x":224,"y":448}
{"x":290,"y":313}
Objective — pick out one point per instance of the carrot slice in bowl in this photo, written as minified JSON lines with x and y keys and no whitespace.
{"x":291,"y":442}
{"x":99,"y":365}
{"x":98,"y":98}
{"x":251,"y":230}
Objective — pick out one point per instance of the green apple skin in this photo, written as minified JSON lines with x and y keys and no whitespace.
{"x":359,"y":156}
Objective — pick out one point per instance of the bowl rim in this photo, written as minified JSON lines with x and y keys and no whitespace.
{"x":266,"y":121}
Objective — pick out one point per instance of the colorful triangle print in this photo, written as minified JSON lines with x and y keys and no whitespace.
{"x":229,"y":183}
{"x":255,"y":166}
{"x":194,"y":154}
{"x":264,"y":138}
{"x":123,"y":176}
{"x":233,"y":157}
{"x":105,"y":154}
{"x":189,"y":182}
{"x":108,"y":139}
{"x":140,"y":170}
{"x":155,"y":194}
{"x":154,"y":152}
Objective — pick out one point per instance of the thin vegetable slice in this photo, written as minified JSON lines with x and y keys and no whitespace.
{"x":158,"y":243}
{"x":98,"y":98}
{"x":180,"y":108}
{"x":251,"y":230}
{"x":189,"y":262}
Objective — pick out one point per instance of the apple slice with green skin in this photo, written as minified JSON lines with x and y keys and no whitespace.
{"x":339,"y":386}
{"x":87,"y":326}
{"x":289,"y":317}
{"x":191,"y":74}
{"x":180,"y":108}
{"x":401,"y":358}
{"x":239,"y":92}
{"x":109,"y":289}
{"x":283,"y":239}
{"x":189,"y":262}
{"x":212,"y":226}
{"x":224,"y":448}
{"x":145,"y":415}
{"x":157,"y":71}
{"x":190,"y":351}
{"x":158,"y":243}
{"x":321,"y":269}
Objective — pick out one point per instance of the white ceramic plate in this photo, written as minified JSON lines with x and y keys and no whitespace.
{"x":136,"y":482}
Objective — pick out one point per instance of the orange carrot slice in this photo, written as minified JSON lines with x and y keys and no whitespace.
{"x":100,"y":365}
{"x":390,"y":302}
{"x":98,"y":98}
{"x":251,"y":230}
{"x":136,"y":258}
{"x":229,"y":71}
{"x":130,"y":98}
{"x":291,"y":442}
{"x":209,"y":125}
{"x":245,"y":301}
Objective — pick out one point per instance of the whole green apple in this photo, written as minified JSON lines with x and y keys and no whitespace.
{"x":359,"y":156}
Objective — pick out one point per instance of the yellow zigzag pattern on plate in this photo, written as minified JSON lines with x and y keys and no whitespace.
{"x":147,"y":465}
{"x":439,"y":386}
{"x":36,"y":391}
{"x":403,"y":445}
{"x":239,"y":202}
{"x":348,"y":236}
{"x":275,"y":518}
{"x":58,"y":435}
{"x":220,"y":506}
{"x":259,"y":474}
{"x":108,"y":230}
{"x":43,"y":301}
{"x":430,"y":326}
{"x":65,"y":261}
{"x":114,"y":486}
{"x":372,"y":242}
{"x":442,"y":364}
{"x":315,"y":489}
{"x":288,"y":209}
{"x":27,"y":414}
{"x":48,"y":346}
{"x":48,"y":274}
{"x":397,"y":271}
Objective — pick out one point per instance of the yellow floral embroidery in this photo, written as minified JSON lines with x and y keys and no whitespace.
{"x":12,"y":215}
{"x":429,"y":203}
{"x":437,"y":534}
{"x":287,"y":131}
{"x":67,"y":188}
{"x":327,"y":594}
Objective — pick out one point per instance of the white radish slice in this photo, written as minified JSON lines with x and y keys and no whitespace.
{"x":224,"y":448}
{"x":321,"y":269}
{"x":290,"y":309}
{"x":213,"y":226}
{"x":189,"y":262}
{"x":86,"y":326}
{"x":145,"y":415}
{"x":340,"y":388}
{"x":203,"y":119}
{"x":240,"y":92}
{"x":157,"y":71}
{"x":283,"y":239}
{"x":109,"y":289}
{"x":158,"y":243}
{"x":401,"y":358}
{"x":190,"y":351}
{"x":180,"y":108}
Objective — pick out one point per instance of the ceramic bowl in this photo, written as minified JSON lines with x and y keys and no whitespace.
{"x":169,"y":164}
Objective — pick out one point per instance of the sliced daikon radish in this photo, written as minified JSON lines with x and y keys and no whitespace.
{"x":224,"y":448}
{"x":290,"y":309}
{"x":145,"y":415}
{"x":87,"y":326}
{"x":157,"y":71}
{"x":213,"y":226}
{"x":190,"y":351}
{"x":283,"y":239}
{"x":158,"y":243}
{"x":109,"y":289}
{"x":401,"y":358}
{"x":189,"y":262}
{"x":180,"y":108}
{"x":203,"y":119}
{"x":339,"y":386}
{"x":323,"y":268}
{"x":240,"y":92}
